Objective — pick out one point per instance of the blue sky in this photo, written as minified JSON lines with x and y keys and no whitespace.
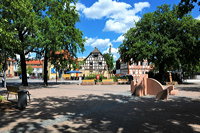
{"x":103,"y":22}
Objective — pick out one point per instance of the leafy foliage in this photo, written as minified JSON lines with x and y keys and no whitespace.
{"x":30,"y":70}
{"x":2,"y":98}
{"x":19,"y":70}
{"x":19,"y":27}
{"x":58,"y":32}
{"x":39,"y":26}
{"x":0,"y":68}
{"x":109,"y":61}
{"x":93,"y":76}
{"x":163,"y":39}
{"x":185,"y":6}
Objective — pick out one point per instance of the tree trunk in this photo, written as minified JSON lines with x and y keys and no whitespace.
{"x":162,"y":73}
{"x":45,"y":69}
{"x":23,"y":68}
{"x":56,"y":76}
{"x":4,"y":71}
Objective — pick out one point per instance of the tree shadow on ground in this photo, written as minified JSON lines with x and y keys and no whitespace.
{"x":108,"y":113}
{"x":38,"y":85}
{"x":197,"y":89}
{"x":190,"y":88}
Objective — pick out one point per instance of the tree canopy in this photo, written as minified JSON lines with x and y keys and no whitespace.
{"x":185,"y":6}
{"x":39,"y":26}
{"x":109,"y":61}
{"x":163,"y":39}
{"x":58,"y":32}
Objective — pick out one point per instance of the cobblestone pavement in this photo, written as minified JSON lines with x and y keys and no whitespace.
{"x":74,"y":108}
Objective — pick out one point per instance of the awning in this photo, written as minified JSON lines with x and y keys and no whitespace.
{"x":68,"y":72}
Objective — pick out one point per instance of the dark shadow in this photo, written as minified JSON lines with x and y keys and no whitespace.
{"x":3,"y":92}
{"x":190,"y":88}
{"x":30,"y":127}
{"x":33,"y":85}
{"x":197,"y":89}
{"x":109,"y":113}
{"x":186,"y":83}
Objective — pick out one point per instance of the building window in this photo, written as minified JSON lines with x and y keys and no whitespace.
{"x":144,"y":63}
{"x":91,"y":63}
{"x":100,"y":63}
{"x":95,"y":55}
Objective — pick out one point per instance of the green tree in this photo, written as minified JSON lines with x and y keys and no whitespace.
{"x":58,"y":31}
{"x":20,"y":20}
{"x":162,"y":38}
{"x":30,"y":70}
{"x":40,"y":26}
{"x":0,"y":67}
{"x":6,"y":43}
{"x":186,"y":6}
{"x":19,"y":70}
{"x":109,"y":61}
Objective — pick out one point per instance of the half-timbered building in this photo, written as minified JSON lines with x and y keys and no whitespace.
{"x":95,"y":64}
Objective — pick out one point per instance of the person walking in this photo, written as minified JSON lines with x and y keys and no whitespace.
{"x":3,"y":80}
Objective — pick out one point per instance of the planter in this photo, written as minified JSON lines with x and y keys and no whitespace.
{"x":98,"y":83}
{"x":115,"y":83}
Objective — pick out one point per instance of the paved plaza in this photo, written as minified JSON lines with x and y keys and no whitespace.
{"x":73,"y":108}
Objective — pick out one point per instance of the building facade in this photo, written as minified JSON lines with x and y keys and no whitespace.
{"x":135,"y":69}
{"x":37,"y":66}
{"x":10,"y":67}
{"x":95,"y":63}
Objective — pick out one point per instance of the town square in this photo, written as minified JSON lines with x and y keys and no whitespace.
{"x":102,"y":66}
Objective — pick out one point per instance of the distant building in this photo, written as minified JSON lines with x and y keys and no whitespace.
{"x":135,"y":69}
{"x":95,"y":63}
{"x":16,"y":68}
{"x":37,"y":66}
{"x":61,"y":55}
{"x":10,"y":67}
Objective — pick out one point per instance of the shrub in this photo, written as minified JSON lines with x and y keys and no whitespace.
{"x":115,"y":78}
{"x":93,"y":76}
{"x":1,"y":98}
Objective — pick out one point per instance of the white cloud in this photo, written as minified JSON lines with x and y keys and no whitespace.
{"x":119,"y":39}
{"x":95,"y":42}
{"x":80,"y":7}
{"x":104,"y":8}
{"x":140,"y":6}
{"x":119,"y":16}
{"x":198,"y":17}
{"x":114,"y":51}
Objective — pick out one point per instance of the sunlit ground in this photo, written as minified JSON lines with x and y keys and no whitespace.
{"x":103,"y":108}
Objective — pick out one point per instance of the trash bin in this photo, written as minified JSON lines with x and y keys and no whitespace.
{"x":22,"y":99}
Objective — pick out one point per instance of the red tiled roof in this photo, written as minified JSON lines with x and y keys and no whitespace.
{"x":36,"y":66}
{"x":34,"y":62}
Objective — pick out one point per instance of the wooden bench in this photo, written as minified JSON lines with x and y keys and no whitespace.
{"x":107,"y":82}
{"x":88,"y":82}
{"x":14,"y":91}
